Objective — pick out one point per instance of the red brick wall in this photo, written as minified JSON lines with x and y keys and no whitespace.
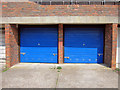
{"x":110,"y":45}
{"x":20,"y":9}
{"x":114,"y":45}
{"x":60,"y":44}
{"x":12,"y":47}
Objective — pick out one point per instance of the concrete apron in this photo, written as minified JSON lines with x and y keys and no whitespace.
{"x":35,"y":75}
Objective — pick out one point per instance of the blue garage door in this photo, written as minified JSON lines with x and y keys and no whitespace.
{"x":38,"y":45}
{"x":83,"y":45}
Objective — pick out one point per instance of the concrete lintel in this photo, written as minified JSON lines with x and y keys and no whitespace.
{"x":60,"y":19}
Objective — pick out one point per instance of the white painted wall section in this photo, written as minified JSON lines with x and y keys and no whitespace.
{"x":118,"y":50}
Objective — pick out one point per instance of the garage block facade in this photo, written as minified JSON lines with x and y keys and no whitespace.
{"x":83,"y":34}
{"x":13,"y":53}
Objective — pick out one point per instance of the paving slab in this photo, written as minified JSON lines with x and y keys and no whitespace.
{"x":35,"y":75}
{"x":87,"y":76}
{"x":30,"y":76}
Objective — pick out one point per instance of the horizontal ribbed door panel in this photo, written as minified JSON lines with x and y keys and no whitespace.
{"x":38,"y":45}
{"x":83,"y":45}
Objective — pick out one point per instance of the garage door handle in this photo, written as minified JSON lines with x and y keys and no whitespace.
{"x":100,"y":54}
{"x":23,"y":53}
{"x":54,"y":54}
{"x":67,"y":57}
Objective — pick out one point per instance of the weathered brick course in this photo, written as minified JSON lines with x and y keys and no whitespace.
{"x":26,"y":9}
{"x":110,"y":45}
{"x":60,"y":44}
{"x":12,"y":47}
